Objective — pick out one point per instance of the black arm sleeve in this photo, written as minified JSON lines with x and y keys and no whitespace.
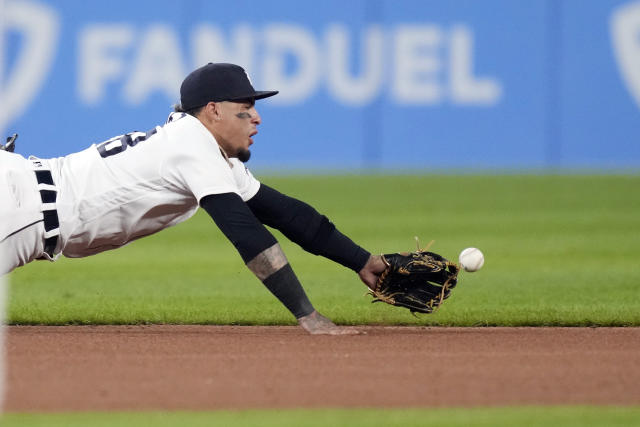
{"x":251,"y":238}
{"x":303,"y":225}
{"x":238,"y":224}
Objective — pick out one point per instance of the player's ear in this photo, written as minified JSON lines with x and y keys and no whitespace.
{"x":212,"y":109}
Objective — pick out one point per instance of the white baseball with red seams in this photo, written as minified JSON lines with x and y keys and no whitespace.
{"x":471,"y":259}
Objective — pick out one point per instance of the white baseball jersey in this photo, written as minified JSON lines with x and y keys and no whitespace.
{"x":21,"y":228}
{"x":136,"y":184}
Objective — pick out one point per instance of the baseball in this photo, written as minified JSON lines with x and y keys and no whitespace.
{"x":471,"y":259}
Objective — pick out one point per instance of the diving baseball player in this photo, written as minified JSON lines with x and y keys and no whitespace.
{"x":139,"y":183}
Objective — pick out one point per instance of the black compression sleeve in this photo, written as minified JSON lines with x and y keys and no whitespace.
{"x":236,"y":221}
{"x":251,"y":239}
{"x":285,"y":286}
{"x":303,"y":225}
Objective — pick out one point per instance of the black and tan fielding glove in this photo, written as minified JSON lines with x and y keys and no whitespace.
{"x":419,"y":281}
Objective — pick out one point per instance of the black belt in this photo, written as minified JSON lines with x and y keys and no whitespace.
{"x":51,"y":222}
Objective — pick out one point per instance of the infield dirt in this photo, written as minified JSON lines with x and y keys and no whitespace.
{"x":98,"y":368}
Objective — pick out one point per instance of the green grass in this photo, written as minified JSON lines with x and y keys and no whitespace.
{"x":560,"y":250}
{"x":570,"y":416}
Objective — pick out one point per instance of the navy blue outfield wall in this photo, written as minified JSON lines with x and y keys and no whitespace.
{"x":389,"y":84}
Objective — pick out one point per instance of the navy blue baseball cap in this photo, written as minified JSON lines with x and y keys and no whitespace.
{"x":218,"y":82}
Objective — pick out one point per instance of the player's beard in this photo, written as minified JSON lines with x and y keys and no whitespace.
{"x":244,"y":155}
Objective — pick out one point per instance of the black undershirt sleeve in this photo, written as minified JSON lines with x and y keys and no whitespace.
{"x":238,"y":224}
{"x":251,"y":238}
{"x":303,"y":225}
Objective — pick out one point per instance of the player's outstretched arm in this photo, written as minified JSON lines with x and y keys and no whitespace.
{"x":303,"y":225}
{"x":264,"y":257}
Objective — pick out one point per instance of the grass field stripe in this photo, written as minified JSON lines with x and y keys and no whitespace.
{"x":536,"y":252}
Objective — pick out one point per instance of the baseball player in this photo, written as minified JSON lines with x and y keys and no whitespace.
{"x":136,"y":184}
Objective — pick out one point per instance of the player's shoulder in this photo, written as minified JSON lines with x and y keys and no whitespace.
{"x":185,"y":123}
{"x":184,"y":127}
{"x":174,"y":116}
{"x":187,"y":136}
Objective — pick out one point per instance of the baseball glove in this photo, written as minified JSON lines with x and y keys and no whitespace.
{"x":419,"y":281}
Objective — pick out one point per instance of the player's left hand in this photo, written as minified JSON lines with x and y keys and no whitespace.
{"x":419,"y":281}
{"x":371,"y":271}
{"x":316,"y":324}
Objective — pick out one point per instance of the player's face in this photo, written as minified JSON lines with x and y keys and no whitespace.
{"x":238,"y":125}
